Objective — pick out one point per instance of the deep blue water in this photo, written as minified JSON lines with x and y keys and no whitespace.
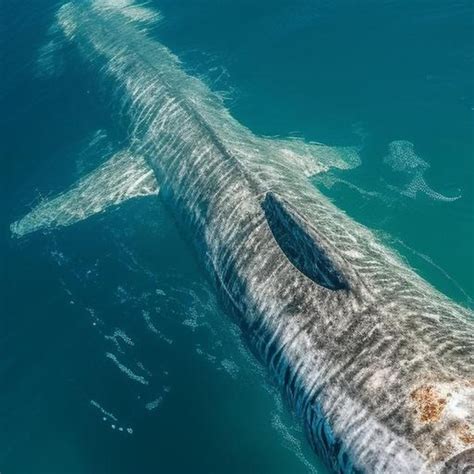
{"x":341,"y":72}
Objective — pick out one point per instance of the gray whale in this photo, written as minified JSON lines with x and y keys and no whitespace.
{"x":376,"y":363}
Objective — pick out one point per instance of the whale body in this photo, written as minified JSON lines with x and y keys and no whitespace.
{"x":375,"y":362}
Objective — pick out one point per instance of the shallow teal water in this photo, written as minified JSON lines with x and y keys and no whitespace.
{"x":127,"y":283}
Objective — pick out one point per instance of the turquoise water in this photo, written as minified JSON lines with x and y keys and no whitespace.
{"x":180,"y":392}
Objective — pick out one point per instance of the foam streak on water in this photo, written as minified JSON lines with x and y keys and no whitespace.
{"x":403,"y":159}
{"x":132,"y":375}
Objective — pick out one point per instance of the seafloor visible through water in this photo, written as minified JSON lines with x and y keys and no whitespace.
{"x":115,"y":354}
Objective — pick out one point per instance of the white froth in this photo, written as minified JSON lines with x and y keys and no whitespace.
{"x":132,"y":375}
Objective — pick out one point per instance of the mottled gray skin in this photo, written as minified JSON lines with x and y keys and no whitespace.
{"x":379,"y":368}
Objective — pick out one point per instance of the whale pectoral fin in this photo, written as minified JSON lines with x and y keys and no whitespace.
{"x":314,"y":158}
{"x":122,"y":177}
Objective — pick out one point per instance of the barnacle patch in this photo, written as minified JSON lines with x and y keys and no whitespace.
{"x":429,"y":403}
{"x":466,"y":434}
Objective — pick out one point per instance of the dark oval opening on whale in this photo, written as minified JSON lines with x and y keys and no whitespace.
{"x":299,"y":246}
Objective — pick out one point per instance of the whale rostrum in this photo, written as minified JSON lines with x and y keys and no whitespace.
{"x":376,"y":363}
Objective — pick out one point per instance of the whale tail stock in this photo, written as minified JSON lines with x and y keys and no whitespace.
{"x":128,"y":174}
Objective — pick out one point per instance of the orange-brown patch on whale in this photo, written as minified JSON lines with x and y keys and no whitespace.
{"x":429,"y":403}
{"x":466,"y":434}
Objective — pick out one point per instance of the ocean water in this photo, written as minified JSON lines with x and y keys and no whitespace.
{"x":116,"y":355}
